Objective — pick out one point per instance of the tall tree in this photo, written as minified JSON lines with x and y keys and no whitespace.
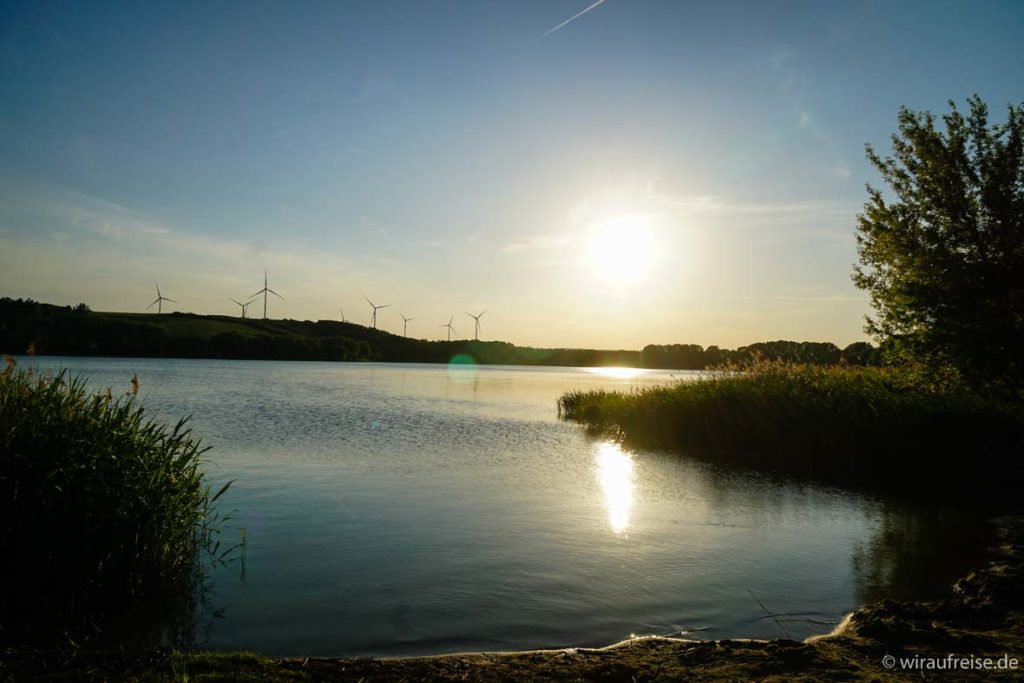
{"x":943,"y":255}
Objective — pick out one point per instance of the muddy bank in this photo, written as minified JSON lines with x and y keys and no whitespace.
{"x":983,"y":617}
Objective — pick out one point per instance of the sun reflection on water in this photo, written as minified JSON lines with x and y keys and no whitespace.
{"x":616,"y":372}
{"x":615,"y":474}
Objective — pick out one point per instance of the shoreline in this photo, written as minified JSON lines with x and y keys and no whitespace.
{"x":982,"y":616}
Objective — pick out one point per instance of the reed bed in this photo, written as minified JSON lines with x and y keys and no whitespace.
{"x":101,"y":506}
{"x":855,"y":426}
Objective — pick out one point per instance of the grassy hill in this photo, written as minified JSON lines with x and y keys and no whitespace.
{"x":65,"y":330}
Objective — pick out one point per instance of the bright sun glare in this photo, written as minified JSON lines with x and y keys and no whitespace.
{"x":615,"y":474}
{"x":620,"y":250}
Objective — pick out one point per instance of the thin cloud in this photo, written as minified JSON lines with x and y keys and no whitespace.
{"x":96,"y":201}
{"x":788,"y":211}
{"x":697,"y":203}
{"x":538,"y":242}
{"x":841,"y":171}
{"x":833,"y":297}
{"x":570,"y":19}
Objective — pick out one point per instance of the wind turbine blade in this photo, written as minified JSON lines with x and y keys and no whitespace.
{"x":368,"y":300}
{"x":482,"y":313}
{"x":385,"y":306}
{"x":157,"y":290}
{"x":256,"y":294}
{"x":171,"y":300}
{"x":276,"y":294}
{"x":236,"y":301}
{"x":152,"y":304}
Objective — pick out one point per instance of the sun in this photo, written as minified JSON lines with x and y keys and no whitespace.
{"x":620,"y":250}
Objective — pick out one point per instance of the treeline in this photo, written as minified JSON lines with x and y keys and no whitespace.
{"x":76,"y":330}
{"x":696,"y":357}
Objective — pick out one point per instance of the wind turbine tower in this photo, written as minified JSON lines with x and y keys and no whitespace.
{"x":476,"y":319}
{"x":373,"y":320}
{"x":244,"y":307}
{"x":449,"y":326}
{"x":266,"y":290}
{"x":159,"y":301}
{"x":405,"y":325}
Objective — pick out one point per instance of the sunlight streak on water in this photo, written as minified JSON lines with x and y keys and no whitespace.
{"x":615,"y":474}
{"x":617,"y":373}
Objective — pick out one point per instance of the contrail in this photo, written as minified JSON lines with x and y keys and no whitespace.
{"x":570,"y":19}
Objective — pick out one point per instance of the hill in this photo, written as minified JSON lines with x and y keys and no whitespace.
{"x":79,"y":331}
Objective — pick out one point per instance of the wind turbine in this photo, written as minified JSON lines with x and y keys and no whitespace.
{"x":342,"y":314}
{"x":449,"y":326}
{"x":159,"y":301}
{"x":244,"y":306}
{"x":373,"y":320}
{"x":476,"y":319}
{"x":264,"y":292}
{"x":405,"y":325}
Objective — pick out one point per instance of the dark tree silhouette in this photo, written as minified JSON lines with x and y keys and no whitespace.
{"x":943,"y":259}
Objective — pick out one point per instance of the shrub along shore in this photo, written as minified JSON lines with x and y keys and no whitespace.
{"x":101,"y":508}
{"x":880,"y":428}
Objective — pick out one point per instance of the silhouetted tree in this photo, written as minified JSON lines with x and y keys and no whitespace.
{"x":943,"y":259}
{"x":860,"y":353}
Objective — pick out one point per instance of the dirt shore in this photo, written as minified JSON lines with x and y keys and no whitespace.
{"x":983,"y":617}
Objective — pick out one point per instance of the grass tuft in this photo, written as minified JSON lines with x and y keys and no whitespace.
{"x":100,"y":505}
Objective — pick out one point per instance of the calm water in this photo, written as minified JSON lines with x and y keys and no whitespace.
{"x":412,"y":509}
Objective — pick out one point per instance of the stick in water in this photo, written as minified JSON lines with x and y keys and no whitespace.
{"x":772,"y":615}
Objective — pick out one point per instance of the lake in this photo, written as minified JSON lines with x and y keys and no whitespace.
{"x":413,"y":509}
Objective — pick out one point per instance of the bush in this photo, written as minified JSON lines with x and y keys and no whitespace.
{"x":100,"y":506}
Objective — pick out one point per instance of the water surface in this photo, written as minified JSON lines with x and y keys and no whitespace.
{"x":416,"y":509}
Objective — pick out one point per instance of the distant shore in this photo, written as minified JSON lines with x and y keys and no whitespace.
{"x":78,"y":331}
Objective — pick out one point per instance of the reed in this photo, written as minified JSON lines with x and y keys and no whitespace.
{"x":881,"y":427}
{"x":101,"y":506}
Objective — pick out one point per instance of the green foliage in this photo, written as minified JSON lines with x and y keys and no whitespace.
{"x":944,"y":259}
{"x":850,"y":426}
{"x":100,"y":506}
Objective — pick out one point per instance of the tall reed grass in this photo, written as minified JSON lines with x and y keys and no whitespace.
{"x":875,"y":427}
{"x":100,"y":505}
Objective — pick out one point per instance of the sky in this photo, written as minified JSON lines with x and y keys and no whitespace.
{"x":646,"y":172}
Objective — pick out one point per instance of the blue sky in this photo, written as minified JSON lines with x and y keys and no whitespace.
{"x":443,"y":157}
